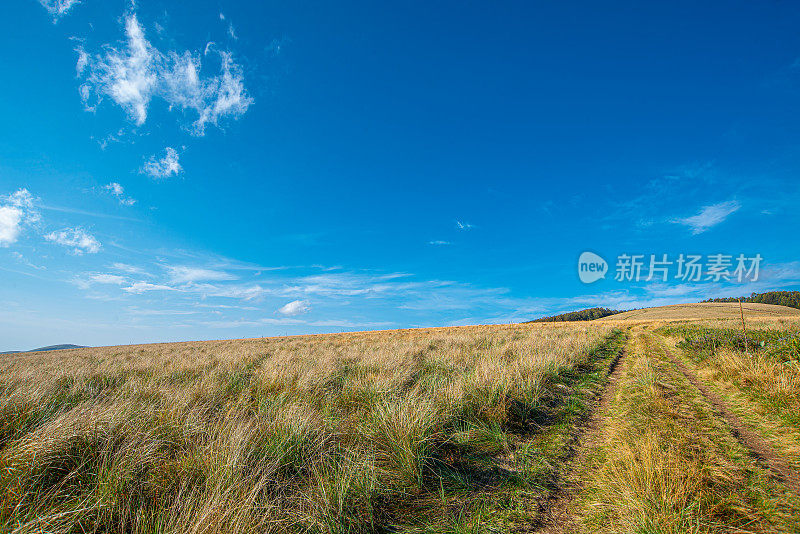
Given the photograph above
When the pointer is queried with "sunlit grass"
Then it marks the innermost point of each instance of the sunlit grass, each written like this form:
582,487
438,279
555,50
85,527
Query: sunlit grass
669,465
341,433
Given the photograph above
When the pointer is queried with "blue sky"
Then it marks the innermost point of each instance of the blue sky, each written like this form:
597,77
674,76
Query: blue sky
224,169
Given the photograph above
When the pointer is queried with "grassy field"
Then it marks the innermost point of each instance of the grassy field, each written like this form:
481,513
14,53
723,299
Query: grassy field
417,430
511,428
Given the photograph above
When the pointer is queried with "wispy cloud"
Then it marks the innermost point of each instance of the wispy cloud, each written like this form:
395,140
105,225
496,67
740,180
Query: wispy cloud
133,310
248,292
439,243
400,289
181,274
135,72
709,216
296,307
16,212
231,30
464,225
58,8
647,200
348,284
119,192
781,272
164,167
87,280
129,269
87,213
76,238
138,288
105,278
23,260
128,76
344,323
369,298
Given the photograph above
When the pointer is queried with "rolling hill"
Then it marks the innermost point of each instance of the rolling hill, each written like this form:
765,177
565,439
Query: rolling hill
47,348
704,310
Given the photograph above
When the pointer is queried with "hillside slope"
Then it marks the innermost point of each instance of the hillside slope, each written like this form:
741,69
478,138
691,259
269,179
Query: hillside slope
704,310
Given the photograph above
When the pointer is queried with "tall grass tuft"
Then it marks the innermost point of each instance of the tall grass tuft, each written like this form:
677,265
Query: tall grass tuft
332,434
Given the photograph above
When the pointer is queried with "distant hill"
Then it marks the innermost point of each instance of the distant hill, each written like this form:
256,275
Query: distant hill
790,299
49,347
706,310
589,314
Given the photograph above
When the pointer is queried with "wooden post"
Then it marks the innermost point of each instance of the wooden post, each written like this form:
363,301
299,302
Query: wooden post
744,328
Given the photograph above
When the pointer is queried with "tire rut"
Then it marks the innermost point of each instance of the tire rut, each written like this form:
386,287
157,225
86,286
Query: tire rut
559,517
759,448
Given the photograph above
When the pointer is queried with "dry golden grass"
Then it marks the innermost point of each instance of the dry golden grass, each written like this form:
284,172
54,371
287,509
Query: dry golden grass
770,379
704,311
338,433
434,430
760,385
668,465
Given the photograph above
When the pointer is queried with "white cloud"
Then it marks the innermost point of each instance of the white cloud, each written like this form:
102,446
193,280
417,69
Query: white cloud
117,190
464,225
236,291
130,269
709,216
181,274
58,8
296,307
88,280
136,72
164,167
128,76
140,287
10,225
439,243
213,98
105,278
21,199
77,238
83,60
16,211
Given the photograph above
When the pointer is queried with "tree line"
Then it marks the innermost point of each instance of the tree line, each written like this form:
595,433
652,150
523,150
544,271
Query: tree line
781,298
582,315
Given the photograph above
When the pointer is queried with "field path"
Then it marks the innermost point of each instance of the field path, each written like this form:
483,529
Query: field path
758,447
559,515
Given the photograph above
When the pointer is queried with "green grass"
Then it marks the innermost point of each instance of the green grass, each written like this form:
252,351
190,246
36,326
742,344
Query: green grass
765,369
704,341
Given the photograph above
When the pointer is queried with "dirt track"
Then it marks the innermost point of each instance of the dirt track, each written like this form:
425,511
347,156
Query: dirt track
757,446
559,516
560,512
